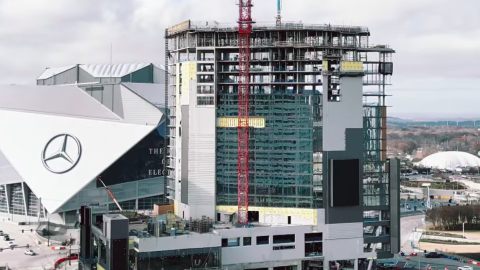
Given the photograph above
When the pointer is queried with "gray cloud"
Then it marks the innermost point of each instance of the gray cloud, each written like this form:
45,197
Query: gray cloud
437,41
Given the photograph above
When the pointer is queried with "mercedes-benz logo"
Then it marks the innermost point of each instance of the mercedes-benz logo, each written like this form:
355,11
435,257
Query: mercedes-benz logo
62,153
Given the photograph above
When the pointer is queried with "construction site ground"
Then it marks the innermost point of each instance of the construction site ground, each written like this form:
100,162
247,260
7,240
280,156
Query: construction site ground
451,248
17,260
454,248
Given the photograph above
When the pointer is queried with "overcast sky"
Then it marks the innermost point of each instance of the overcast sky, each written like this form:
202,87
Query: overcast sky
436,67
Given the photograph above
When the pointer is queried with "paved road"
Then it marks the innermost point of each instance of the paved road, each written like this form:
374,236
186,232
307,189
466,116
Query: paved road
434,263
407,227
16,258
408,224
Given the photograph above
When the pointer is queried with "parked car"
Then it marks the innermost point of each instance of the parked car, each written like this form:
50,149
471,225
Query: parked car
413,254
11,244
433,255
465,268
6,237
29,252
1,233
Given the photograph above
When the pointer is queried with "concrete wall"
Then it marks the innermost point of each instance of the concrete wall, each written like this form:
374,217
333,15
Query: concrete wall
394,177
343,115
343,249
117,228
182,210
261,253
201,157
184,139
178,242
342,139
278,216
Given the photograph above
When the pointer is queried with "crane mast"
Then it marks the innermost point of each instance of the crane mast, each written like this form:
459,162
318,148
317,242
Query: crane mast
278,19
244,30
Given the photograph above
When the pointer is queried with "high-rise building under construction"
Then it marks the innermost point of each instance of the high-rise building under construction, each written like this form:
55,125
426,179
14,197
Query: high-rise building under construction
317,137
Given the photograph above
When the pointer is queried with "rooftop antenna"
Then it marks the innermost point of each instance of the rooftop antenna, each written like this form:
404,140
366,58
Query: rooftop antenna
279,13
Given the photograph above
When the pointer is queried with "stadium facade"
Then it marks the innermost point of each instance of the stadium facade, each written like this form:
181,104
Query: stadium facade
56,140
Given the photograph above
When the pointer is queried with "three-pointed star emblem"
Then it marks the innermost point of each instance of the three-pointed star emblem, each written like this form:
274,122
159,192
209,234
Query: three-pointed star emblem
65,157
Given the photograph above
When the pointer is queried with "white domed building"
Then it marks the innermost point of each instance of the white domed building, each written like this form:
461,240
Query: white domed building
450,160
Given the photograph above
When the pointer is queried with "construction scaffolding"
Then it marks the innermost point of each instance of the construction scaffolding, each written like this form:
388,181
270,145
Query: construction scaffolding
285,155
203,225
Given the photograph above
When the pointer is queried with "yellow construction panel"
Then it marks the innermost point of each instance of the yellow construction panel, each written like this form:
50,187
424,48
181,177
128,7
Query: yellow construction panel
351,66
99,267
325,65
255,122
308,214
189,71
178,28
175,207
192,68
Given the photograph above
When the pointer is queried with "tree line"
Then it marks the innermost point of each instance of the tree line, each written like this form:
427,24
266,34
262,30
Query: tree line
452,217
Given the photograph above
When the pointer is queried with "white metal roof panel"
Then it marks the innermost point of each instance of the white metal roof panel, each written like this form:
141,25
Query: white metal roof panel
24,136
59,100
50,72
137,109
8,174
450,159
154,93
113,70
162,67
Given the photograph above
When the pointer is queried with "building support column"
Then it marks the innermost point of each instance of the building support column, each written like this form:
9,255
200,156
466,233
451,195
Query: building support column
355,264
26,201
326,264
136,204
8,194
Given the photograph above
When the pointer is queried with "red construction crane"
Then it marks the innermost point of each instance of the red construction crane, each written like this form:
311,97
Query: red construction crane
99,178
244,30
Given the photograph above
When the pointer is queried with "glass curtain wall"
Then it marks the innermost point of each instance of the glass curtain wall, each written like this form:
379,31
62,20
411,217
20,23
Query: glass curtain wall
281,155
18,205
3,200
375,185
34,206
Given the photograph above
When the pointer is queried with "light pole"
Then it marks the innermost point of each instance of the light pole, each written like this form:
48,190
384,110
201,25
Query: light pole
428,193
70,252
48,231
424,221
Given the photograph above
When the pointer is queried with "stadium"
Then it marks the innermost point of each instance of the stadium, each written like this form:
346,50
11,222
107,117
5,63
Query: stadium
68,139
450,160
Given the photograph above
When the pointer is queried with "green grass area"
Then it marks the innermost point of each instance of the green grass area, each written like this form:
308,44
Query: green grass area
444,234
447,242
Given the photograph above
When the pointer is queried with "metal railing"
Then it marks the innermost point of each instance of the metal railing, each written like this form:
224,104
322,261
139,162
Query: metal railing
216,26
